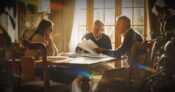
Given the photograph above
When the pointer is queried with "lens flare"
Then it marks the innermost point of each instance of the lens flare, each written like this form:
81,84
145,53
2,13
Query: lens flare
83,73
13,74
144,67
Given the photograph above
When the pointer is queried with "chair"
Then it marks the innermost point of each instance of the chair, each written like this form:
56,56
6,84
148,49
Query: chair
31,84
132,76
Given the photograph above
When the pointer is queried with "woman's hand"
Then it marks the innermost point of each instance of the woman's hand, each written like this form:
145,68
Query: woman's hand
98,50
48,38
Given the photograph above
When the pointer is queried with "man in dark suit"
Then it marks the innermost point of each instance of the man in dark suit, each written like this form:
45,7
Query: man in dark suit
123,27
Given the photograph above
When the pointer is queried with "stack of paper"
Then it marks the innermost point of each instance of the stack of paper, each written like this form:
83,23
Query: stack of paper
88,45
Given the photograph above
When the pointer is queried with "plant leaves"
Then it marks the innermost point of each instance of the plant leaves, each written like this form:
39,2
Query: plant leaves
11,19
13,22
7,37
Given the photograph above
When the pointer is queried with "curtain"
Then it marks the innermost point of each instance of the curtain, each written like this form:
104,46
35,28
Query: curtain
74,36
77,31
63,22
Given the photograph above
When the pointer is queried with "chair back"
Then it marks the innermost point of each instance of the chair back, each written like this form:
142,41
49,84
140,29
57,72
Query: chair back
140,60
42,47
27,65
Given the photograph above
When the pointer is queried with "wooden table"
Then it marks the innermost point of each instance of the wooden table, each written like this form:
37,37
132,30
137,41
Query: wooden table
81,61
74,60
77,59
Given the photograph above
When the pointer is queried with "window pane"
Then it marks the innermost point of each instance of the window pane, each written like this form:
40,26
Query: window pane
110,31
98,14
109,3
139,3
82,17
127,12
126,3
109,16
138,16
81,32
139,29
81,3
98,3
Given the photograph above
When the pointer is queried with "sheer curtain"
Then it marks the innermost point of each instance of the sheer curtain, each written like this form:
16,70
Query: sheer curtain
76,36
63,24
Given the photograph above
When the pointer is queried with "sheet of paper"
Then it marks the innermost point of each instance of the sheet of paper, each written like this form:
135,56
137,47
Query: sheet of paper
94,55
88,45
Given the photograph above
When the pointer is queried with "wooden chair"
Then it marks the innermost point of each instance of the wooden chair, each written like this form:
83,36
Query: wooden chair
27,66
33,85
133,74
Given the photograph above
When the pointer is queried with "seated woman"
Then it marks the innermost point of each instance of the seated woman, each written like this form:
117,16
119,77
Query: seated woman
43,34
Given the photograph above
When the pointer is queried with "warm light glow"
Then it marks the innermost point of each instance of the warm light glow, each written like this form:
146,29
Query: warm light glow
79,24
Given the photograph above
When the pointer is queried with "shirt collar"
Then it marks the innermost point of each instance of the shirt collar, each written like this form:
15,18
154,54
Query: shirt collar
126,32
98,38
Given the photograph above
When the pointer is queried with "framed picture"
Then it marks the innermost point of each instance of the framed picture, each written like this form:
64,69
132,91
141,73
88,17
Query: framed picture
43,5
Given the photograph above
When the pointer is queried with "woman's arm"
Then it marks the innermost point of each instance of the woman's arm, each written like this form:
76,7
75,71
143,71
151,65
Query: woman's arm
52,45
54,48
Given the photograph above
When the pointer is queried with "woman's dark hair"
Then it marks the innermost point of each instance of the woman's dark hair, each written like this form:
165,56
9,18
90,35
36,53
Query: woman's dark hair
43,25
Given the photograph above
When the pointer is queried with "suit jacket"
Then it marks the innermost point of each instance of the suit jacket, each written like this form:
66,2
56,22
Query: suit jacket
125,48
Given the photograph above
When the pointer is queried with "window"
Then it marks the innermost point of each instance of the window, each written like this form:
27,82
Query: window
135,10
87,11
104,10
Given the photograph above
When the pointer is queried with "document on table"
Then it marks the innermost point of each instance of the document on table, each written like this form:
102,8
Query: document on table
88,45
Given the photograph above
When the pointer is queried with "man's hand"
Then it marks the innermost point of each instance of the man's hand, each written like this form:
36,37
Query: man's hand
98,50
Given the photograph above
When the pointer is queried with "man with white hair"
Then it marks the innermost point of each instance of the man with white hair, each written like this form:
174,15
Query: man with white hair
97,36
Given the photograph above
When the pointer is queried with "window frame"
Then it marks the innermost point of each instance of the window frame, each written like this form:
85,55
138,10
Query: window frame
118,12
